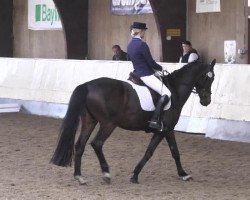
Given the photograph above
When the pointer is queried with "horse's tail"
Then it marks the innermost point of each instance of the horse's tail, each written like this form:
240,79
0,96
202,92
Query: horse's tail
65,147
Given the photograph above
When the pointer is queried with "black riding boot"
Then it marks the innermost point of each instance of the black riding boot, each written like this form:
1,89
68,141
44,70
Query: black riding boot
155,122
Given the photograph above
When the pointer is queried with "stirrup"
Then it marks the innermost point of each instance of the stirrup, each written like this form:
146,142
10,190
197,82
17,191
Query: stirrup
156,125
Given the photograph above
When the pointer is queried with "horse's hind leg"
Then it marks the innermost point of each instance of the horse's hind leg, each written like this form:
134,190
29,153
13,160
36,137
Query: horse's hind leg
97,144
88,124
176,155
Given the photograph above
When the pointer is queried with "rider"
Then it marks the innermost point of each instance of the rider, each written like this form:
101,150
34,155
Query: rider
144,67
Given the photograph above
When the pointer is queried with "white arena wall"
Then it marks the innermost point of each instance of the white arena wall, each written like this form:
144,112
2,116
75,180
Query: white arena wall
44,86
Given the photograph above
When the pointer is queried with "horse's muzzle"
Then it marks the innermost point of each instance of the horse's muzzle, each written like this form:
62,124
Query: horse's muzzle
205,102
205,98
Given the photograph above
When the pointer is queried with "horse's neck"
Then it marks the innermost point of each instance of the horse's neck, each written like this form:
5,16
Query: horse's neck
182,87
183,92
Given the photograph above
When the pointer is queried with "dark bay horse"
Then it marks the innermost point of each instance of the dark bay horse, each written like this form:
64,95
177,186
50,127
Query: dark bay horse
114,103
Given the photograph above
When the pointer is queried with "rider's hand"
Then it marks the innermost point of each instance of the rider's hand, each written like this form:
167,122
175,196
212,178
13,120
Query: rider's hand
160,73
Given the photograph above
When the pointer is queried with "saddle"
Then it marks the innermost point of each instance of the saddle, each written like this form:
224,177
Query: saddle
133,77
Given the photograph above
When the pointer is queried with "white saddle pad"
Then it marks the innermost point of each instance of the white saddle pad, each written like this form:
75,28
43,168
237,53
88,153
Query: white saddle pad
145,97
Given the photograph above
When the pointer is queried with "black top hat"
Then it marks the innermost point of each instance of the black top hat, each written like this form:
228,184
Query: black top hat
139,25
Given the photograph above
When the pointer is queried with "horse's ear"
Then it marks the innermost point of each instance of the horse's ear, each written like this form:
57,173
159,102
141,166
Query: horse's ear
212,64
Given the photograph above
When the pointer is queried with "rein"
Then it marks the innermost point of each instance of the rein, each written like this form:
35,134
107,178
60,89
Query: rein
164,73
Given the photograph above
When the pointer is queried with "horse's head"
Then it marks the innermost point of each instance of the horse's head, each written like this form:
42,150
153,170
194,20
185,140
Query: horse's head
204,84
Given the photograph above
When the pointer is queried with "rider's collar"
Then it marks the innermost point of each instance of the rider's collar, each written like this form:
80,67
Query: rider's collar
137,37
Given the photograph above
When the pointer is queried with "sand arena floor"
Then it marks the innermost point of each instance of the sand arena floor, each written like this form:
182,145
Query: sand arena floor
221,169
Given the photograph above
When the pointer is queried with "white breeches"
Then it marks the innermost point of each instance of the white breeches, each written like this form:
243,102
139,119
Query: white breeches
155,84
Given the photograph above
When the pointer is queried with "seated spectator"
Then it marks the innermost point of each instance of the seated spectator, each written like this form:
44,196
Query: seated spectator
189,54
119,54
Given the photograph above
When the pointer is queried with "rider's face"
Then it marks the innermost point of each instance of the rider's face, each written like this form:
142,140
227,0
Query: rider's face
142,33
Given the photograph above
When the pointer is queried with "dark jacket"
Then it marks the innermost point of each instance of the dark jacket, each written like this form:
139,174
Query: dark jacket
184,59
122,56
141,58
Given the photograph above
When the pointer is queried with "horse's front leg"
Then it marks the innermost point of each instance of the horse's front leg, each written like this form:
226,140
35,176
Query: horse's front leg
176,155
156,139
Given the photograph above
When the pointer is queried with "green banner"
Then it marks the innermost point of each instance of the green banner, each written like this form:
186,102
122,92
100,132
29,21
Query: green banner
43,15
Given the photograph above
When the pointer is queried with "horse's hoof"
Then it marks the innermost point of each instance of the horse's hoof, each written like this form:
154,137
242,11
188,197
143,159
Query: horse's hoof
81,180
106,177
134,180
187,178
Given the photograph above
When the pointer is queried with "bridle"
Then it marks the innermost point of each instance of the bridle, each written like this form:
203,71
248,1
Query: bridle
207,81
